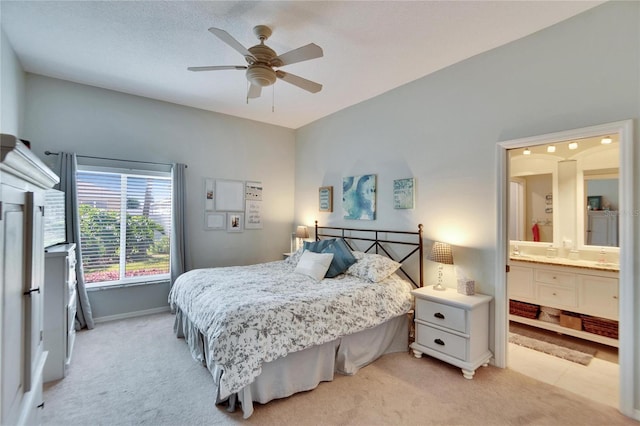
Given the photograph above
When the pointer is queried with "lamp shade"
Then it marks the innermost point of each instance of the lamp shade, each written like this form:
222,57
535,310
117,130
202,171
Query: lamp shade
302,232
441,253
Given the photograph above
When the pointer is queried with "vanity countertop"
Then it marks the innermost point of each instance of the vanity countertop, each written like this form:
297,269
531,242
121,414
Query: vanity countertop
560,261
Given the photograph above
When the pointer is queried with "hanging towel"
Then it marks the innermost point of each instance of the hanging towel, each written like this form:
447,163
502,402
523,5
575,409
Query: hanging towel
536,232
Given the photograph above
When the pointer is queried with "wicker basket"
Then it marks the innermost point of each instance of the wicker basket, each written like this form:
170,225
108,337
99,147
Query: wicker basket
522,309
601,326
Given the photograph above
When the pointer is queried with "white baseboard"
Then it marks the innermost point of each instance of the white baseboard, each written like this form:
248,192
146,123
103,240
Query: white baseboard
132,314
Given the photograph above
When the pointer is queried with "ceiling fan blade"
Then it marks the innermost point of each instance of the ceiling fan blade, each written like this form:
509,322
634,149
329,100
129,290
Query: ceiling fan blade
218,67
254,91
227,38
304,53
303,83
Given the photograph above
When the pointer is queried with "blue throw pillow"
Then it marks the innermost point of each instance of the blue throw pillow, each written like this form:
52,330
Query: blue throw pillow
317,246
342,257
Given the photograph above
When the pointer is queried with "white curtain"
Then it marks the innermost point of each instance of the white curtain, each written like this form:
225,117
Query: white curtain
180,256
67,167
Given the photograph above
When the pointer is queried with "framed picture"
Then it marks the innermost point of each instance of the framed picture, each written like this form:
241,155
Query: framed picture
359,197
214,220
229,195
253,191
594,202
403,193
325,198
253,214
208,193
235,222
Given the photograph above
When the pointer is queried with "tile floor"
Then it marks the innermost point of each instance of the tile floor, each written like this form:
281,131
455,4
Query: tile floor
598,381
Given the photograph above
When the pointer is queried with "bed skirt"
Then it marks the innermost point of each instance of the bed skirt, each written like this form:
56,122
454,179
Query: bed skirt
303,370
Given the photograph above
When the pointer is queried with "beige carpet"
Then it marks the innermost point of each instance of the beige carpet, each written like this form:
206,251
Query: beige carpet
135,372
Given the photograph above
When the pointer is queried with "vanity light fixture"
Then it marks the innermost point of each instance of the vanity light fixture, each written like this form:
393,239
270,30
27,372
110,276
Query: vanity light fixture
526,151
551,148
606,140
573,145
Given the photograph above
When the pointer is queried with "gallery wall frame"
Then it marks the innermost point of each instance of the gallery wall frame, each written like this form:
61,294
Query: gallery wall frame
209,185
325,199
235,222
215,220
229,195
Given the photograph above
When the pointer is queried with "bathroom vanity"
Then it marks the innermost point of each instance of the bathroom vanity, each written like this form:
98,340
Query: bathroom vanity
571,286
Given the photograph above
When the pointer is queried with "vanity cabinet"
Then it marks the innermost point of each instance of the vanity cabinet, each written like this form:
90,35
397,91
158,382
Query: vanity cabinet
580,290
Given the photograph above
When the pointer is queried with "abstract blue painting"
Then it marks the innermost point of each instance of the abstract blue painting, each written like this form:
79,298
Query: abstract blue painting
359,197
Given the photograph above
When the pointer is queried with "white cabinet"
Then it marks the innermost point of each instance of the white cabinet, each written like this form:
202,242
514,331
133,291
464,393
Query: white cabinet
602,228
452,327
580,290
23,180
59,309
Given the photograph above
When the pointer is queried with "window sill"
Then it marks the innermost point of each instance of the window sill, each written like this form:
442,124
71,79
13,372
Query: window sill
120,284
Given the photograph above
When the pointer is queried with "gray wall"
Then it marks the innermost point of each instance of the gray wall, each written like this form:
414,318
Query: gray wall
11,89
443,130
64,116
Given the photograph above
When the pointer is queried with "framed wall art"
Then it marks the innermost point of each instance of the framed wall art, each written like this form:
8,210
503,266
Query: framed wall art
404,193
325,198
235,222
213,220
229,195
208,193
253,214
359,197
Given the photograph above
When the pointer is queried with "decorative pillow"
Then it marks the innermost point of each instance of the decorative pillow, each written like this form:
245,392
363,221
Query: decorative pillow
342,257
313,264
317,246
372,267
294,257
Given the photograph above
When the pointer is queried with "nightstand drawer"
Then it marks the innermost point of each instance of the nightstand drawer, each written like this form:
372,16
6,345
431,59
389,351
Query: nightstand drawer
443,315
441,341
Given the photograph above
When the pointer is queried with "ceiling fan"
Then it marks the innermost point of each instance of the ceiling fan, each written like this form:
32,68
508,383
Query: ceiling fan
262,61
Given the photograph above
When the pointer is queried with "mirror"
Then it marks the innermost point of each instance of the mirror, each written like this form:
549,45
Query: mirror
565,193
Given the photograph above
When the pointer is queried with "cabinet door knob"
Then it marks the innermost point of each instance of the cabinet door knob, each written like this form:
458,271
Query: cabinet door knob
438,315
554,294
439,342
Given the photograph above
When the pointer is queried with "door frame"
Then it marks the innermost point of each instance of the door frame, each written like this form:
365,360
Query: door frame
628,329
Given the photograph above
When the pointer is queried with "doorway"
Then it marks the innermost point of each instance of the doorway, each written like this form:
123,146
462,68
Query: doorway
627,341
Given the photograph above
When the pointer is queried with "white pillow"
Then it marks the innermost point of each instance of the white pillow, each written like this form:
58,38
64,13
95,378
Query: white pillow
372,267
313,264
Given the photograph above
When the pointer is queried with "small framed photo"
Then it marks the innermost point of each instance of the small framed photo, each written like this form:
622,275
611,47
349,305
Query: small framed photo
214,220
594,202
325,198
235,222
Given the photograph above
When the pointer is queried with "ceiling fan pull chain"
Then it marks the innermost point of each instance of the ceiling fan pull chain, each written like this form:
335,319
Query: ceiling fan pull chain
248,85
273,98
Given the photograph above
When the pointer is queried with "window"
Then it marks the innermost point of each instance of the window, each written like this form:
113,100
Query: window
125,225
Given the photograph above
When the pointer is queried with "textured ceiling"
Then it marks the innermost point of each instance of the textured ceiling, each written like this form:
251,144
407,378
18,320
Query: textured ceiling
145,47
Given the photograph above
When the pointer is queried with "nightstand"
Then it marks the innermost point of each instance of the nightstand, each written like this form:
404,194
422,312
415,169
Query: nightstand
452,327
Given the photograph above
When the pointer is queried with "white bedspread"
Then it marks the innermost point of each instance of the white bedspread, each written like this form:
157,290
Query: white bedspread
258,313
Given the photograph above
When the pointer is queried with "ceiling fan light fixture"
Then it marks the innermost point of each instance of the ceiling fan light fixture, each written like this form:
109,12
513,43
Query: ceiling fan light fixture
261,75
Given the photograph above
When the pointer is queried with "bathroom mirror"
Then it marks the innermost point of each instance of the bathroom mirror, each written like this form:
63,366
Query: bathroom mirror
565,193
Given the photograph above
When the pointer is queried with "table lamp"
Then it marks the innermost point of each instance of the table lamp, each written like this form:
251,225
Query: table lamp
441,253
302,232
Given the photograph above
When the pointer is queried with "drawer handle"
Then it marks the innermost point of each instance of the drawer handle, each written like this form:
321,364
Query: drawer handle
438,342
41,405
438,315
28,293
554,294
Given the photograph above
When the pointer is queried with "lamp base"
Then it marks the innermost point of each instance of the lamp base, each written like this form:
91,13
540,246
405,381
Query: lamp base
439,287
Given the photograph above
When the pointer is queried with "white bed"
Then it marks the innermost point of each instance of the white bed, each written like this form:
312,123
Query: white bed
266,331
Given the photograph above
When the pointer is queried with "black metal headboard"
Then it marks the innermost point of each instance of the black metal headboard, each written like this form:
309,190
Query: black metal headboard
412,239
